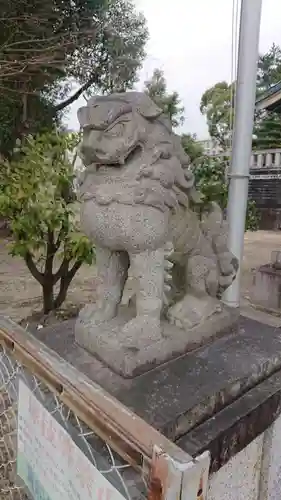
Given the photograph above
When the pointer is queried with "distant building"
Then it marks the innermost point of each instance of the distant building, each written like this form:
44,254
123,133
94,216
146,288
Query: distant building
270,100
265,178
210,147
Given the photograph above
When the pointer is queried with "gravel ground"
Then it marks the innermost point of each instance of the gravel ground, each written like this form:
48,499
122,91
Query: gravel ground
20,294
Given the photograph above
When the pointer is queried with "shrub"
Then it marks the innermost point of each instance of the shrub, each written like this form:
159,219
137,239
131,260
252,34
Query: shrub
36,196
211,181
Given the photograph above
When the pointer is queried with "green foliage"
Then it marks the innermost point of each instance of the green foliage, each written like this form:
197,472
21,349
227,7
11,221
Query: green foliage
156,88
192,148
253,216
113,60
217,105
267,131
269,69
37,40
211,181
41,119
36,196
45,46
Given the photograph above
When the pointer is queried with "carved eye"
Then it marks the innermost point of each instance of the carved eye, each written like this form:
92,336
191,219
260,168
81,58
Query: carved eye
117,130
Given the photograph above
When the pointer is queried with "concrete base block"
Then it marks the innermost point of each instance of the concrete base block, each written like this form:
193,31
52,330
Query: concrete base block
239,479
267,287
270,485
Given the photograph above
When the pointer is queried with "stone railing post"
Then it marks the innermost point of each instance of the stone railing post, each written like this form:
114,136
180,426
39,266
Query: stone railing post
268,160
277,162
260,161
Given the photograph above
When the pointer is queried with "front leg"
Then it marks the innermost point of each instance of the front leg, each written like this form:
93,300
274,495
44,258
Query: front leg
112,271
148,268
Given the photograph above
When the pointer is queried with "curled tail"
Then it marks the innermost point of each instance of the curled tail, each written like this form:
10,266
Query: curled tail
215,229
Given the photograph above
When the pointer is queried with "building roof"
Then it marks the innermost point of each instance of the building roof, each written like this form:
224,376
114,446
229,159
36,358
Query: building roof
271,99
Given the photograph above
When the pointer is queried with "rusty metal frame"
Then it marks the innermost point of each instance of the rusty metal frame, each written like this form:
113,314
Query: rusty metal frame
126,433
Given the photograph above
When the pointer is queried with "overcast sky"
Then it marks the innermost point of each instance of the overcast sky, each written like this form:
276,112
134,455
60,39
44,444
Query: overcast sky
191,42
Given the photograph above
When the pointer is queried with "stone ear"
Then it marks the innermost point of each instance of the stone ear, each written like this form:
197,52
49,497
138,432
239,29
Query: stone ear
148,109
83,116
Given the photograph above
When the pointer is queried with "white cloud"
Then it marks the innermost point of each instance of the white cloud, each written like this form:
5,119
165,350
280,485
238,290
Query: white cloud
191,42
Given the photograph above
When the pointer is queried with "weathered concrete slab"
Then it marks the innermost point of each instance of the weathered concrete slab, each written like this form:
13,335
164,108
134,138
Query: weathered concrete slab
183,393
235,426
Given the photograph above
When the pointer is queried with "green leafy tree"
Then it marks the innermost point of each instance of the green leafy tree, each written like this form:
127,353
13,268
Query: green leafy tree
269,69
217,105
36,196
156,88
37,40
111,64
46,46
267,131
192,147
211,181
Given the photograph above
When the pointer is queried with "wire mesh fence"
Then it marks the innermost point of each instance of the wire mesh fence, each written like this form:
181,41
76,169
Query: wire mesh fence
120,474
62,437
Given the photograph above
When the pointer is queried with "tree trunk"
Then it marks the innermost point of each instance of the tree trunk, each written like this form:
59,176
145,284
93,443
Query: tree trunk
65,282
48,277
24,108
48,297
64,285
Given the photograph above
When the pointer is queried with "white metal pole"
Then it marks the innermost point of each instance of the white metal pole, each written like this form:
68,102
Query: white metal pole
242,138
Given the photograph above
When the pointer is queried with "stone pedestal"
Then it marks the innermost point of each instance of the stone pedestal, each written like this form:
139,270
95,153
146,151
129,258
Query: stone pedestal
219,397
131,356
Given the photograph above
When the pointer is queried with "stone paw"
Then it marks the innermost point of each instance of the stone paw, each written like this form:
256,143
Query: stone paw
140,330
183,317
192,311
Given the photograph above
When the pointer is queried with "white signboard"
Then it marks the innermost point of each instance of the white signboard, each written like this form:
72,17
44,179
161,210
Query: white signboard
49,462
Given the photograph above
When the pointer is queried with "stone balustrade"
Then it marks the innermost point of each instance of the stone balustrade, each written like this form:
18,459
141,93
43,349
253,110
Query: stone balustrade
265,185
267,158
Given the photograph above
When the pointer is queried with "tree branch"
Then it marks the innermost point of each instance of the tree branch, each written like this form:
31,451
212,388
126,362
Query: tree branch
65,282
74,269
33,269
76,95
63,270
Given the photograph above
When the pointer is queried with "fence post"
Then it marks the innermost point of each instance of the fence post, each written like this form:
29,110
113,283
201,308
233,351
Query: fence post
174,480
165,477
195,479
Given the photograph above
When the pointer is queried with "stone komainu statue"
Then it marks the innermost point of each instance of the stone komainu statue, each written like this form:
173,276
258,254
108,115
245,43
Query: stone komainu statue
136,194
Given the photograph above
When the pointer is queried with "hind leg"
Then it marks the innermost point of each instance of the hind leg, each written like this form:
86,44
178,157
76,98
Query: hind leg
199,301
